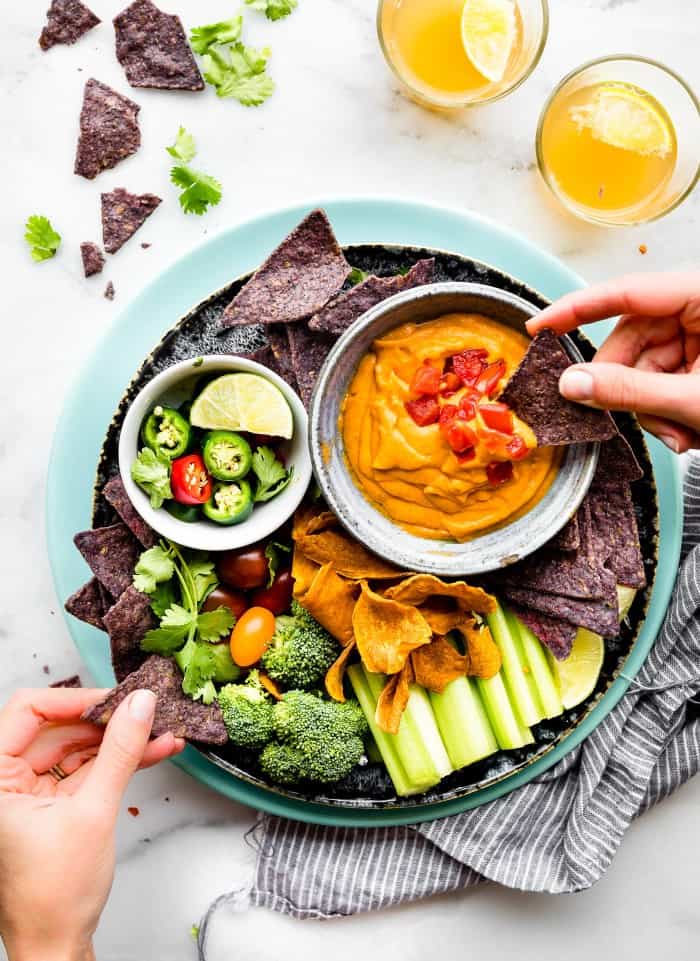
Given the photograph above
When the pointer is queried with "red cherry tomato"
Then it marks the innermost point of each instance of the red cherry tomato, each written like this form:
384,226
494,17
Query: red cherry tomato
278,596
460,436
497,417
245,568
468,364
489,378
517,449
426,380
236,602
424,411
251,636
499,472
189,480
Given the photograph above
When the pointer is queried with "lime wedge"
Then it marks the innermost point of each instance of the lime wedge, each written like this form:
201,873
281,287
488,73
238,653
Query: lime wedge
576,677
625,596
488,35
627,118
243,402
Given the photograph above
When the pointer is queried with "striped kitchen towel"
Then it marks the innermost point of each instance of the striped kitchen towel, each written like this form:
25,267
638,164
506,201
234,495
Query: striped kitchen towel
557,834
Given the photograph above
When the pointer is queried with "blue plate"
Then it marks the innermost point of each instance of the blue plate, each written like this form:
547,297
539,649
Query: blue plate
96,394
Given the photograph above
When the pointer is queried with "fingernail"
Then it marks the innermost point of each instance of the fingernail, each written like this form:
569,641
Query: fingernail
142,705
576,384
670,442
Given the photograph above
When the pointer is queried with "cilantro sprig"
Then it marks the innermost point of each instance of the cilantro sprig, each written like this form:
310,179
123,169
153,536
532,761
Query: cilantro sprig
199,191
152,474
271,473
42,238
273,9
230,66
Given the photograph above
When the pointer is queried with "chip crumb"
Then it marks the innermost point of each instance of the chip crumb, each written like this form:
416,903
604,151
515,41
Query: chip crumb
134,812
145,246
46,669
66,22
109,291
92,257
643,249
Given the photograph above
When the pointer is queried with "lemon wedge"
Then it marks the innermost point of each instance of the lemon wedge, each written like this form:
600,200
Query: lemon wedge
243,402
488,35
627,118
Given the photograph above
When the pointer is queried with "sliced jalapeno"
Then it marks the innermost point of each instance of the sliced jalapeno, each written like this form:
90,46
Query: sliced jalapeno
188,513
229,503
166,432
227,455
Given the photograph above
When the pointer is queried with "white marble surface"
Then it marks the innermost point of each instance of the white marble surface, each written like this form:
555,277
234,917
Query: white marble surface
336,126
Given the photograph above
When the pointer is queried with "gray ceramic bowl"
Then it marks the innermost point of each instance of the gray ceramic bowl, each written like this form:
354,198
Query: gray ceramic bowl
487,552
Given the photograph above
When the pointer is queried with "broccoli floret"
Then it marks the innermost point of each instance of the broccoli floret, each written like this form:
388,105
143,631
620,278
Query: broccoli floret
247,712
318,740
300,652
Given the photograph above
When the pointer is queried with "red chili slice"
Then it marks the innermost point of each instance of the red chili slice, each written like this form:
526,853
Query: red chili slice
449,384
460,436
189,480
517,449
488,379
498,417
469,364
424,411
426,380
499,472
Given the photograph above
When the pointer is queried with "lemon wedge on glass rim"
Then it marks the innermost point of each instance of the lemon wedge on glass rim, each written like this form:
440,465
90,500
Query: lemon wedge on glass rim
626,117
488,35
243,402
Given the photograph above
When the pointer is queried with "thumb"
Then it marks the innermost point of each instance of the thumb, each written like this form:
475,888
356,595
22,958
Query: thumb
121,751
675,397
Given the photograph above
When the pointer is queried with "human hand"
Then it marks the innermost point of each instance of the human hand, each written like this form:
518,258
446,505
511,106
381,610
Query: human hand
651,361
57,837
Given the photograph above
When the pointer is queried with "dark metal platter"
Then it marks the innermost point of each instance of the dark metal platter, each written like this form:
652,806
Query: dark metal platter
199,333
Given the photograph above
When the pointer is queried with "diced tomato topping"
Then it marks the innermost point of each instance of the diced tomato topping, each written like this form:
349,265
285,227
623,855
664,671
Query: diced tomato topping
449,384
469,364
447,413
498,417
488,379
460,436
467,405
424,411
499,472
466,455
426,380
517,449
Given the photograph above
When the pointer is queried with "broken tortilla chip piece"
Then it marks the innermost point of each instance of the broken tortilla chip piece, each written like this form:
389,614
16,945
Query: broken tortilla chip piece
438,663
419,587
482,651
393,700
387,631
336,672
331,600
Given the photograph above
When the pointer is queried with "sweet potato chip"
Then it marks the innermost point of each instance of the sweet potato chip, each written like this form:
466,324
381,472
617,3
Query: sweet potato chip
324,521
336,672
270,686
438,663
303,573
347,555
442,613
393,700
331,600
387,631
419,587
482,651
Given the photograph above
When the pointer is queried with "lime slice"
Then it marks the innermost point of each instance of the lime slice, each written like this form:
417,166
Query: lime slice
243,402
488,35
625,596
627,118
576,677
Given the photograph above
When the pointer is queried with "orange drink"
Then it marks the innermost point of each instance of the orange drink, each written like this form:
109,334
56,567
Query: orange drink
453,53
613,141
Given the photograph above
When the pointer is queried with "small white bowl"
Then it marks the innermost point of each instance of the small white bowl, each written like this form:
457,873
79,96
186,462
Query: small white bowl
172,387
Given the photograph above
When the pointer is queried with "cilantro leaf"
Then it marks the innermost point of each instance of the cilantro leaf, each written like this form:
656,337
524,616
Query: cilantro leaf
273,554
211,625
203,576
153,567
175,625
199,672
225,31
356,276
41,237
184,148
273,9
240,72
152,474
271,473
162,598
199,191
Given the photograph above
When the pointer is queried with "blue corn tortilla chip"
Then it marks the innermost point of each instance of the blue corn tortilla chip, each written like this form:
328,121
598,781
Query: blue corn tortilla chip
308,349
557,635
617,464
127,622
111,554
344,310
568,574
66,22
615,535
600,616
87,604
533,393
278,342
109,130
115,494
73,681
297,279
175,711
92,257
568,538
152,48
122,215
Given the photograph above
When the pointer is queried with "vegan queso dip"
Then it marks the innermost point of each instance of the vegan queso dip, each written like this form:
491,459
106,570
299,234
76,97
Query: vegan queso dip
426,438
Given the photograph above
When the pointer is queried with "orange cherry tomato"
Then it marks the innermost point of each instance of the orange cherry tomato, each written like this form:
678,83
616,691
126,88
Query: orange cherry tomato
251,635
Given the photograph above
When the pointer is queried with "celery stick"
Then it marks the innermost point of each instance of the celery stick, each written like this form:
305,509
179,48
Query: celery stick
385,742
509,732
519,684
535,655
463,723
